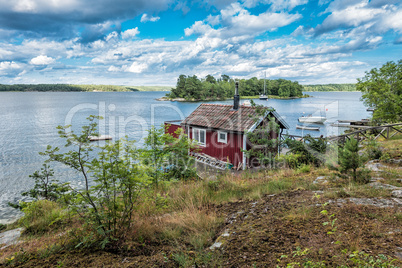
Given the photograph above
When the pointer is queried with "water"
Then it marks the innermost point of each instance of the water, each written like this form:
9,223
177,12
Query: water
28,122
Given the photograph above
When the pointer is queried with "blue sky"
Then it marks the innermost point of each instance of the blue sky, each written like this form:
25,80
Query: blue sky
140,42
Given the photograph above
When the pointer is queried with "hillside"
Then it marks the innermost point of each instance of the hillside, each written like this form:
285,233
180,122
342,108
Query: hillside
330,87
308,217
80,88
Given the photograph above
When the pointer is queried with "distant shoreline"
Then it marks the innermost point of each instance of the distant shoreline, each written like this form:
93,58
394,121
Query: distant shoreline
78,88
241,97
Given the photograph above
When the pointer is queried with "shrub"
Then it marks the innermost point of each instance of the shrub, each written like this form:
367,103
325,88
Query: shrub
40,215
349,158
373,150
310,150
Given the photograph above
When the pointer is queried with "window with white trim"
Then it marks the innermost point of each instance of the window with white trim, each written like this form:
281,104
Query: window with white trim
222,137
200,136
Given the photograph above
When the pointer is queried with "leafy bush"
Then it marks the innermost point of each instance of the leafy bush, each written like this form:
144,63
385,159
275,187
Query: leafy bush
166,157
304,168
373,150
291,160
112,181
310,151
40,215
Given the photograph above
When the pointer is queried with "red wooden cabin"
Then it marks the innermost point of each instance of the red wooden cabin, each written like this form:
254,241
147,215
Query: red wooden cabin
221,130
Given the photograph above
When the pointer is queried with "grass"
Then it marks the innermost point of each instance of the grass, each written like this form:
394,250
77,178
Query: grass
175,223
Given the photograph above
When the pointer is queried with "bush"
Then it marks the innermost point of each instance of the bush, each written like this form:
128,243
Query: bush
310,150
41,215
373,150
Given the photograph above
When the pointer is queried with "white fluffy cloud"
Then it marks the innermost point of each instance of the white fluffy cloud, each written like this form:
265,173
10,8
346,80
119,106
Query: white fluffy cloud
238,23
145,18
374,17
42,60
241,39
130,33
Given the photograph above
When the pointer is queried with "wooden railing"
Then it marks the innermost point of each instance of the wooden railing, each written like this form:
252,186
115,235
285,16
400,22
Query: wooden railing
385,131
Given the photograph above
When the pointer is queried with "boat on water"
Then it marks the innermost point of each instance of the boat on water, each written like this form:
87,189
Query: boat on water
308,128
264,96
100,138
246,103
312,119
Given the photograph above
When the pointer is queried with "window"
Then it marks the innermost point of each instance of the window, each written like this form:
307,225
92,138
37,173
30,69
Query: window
200,136
222,137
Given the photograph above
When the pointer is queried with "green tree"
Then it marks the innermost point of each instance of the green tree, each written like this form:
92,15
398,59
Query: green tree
112,181
46,186
284,88
262,141
210,79
382,89
349,158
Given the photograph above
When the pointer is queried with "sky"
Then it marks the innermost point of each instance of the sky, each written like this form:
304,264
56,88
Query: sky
152,42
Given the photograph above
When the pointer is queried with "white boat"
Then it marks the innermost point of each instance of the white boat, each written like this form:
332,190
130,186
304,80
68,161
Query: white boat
308,128
312,119
100,138
263,96
246,103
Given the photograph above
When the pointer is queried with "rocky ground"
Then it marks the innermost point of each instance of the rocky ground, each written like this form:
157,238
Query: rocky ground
326,227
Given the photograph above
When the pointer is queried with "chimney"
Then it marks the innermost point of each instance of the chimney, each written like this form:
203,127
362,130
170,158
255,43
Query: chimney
236,97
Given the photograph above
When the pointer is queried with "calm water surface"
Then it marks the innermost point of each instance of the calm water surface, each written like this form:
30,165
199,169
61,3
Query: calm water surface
29,120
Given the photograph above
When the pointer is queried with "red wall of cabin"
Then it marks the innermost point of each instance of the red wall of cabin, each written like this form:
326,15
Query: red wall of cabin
171,130
223,151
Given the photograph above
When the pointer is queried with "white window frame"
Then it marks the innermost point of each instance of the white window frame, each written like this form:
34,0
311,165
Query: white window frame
225,140
197,132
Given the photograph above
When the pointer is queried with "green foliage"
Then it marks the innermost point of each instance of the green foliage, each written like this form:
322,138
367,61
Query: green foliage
262,141
166,157
40,215
349,157
113,175
192,88
304,169
46,186
372,149
291,160
308,152
330,87
112,181
2,227
382,89
362,259
64,87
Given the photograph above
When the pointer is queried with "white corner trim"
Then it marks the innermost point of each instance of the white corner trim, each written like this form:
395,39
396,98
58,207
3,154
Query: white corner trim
244,148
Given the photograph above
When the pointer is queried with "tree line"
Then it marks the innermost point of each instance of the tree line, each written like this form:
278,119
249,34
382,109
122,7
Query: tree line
330,87
64,87
210,88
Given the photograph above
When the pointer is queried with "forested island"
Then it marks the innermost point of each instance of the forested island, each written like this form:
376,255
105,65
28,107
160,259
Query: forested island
79,88
209,88
330,87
